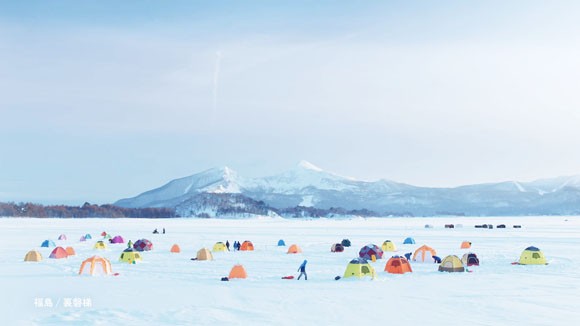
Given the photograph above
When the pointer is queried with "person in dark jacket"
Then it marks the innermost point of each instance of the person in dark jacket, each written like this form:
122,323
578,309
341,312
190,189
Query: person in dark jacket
436,260
302,270
408,256
228,245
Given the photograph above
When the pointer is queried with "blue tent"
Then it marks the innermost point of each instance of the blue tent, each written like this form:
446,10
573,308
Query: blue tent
48,243
409,241
88,236
281,243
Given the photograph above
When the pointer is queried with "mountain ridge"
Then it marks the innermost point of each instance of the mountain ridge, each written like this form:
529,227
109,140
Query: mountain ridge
307,185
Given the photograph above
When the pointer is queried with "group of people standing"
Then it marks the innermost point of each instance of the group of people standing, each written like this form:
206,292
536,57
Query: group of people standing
236,245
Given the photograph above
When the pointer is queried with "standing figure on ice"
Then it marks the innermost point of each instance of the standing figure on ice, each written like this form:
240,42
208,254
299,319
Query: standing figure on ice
302,270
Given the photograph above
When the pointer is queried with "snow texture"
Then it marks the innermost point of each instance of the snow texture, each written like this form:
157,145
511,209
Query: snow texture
170,289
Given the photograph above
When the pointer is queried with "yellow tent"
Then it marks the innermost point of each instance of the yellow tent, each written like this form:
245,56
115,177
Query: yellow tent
532,256
359,267
204,254
451,264
175,248
294,249
93,261
388,245
219,246
33,255
100,245
130,256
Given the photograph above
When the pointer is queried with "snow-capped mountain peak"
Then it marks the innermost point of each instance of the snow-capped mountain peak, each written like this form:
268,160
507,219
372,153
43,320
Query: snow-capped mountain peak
308,166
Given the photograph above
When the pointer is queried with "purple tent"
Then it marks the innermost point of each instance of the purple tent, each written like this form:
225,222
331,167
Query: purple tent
143,245
117,239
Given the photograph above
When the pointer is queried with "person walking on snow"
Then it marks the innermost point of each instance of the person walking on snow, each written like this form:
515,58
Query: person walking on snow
228,245
302,270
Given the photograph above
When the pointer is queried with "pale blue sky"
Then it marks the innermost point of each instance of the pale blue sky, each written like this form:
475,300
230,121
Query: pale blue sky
101,100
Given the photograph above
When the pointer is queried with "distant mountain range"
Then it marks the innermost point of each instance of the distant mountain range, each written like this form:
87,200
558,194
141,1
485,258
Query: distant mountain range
307,190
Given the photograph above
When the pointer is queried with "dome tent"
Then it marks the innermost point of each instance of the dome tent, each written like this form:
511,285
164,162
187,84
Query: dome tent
345,243
451,264
204,254
100,245
409,240
465,245
424,254
130,256
47,244
281,243
388,245
398,265
33,255
370,250
337,247
359,267
238,271
93,262
143,245
175,249
532,256
247,246
219,246
294,249
58,253
470,259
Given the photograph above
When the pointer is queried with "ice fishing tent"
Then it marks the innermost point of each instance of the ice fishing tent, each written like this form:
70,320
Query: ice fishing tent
470,259
428,226
398,265
451,264
92,263
465,245
100,245
175,249
83,238
58,253
281,243
337,247
345,243
33,255
424,254
204,254
143,245
219,246
62,237
48,243
117,239
130,256
359,267
294,249
103,233
409,240
388,245
247,246
107,237
238,271
70,251
370,250
532,256
88,236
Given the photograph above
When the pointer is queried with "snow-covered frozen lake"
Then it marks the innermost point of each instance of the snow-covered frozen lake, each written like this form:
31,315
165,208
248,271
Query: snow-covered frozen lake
171,289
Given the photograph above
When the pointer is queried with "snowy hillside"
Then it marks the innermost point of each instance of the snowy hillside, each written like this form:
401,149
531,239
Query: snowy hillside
309,186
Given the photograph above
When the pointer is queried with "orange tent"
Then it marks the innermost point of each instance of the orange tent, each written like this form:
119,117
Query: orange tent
58,253
398,265
465,245
238,271
247,245
70,251
175,248
424,253
93,261
294,249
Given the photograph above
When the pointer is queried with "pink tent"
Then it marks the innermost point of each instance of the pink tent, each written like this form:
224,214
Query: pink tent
117,239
